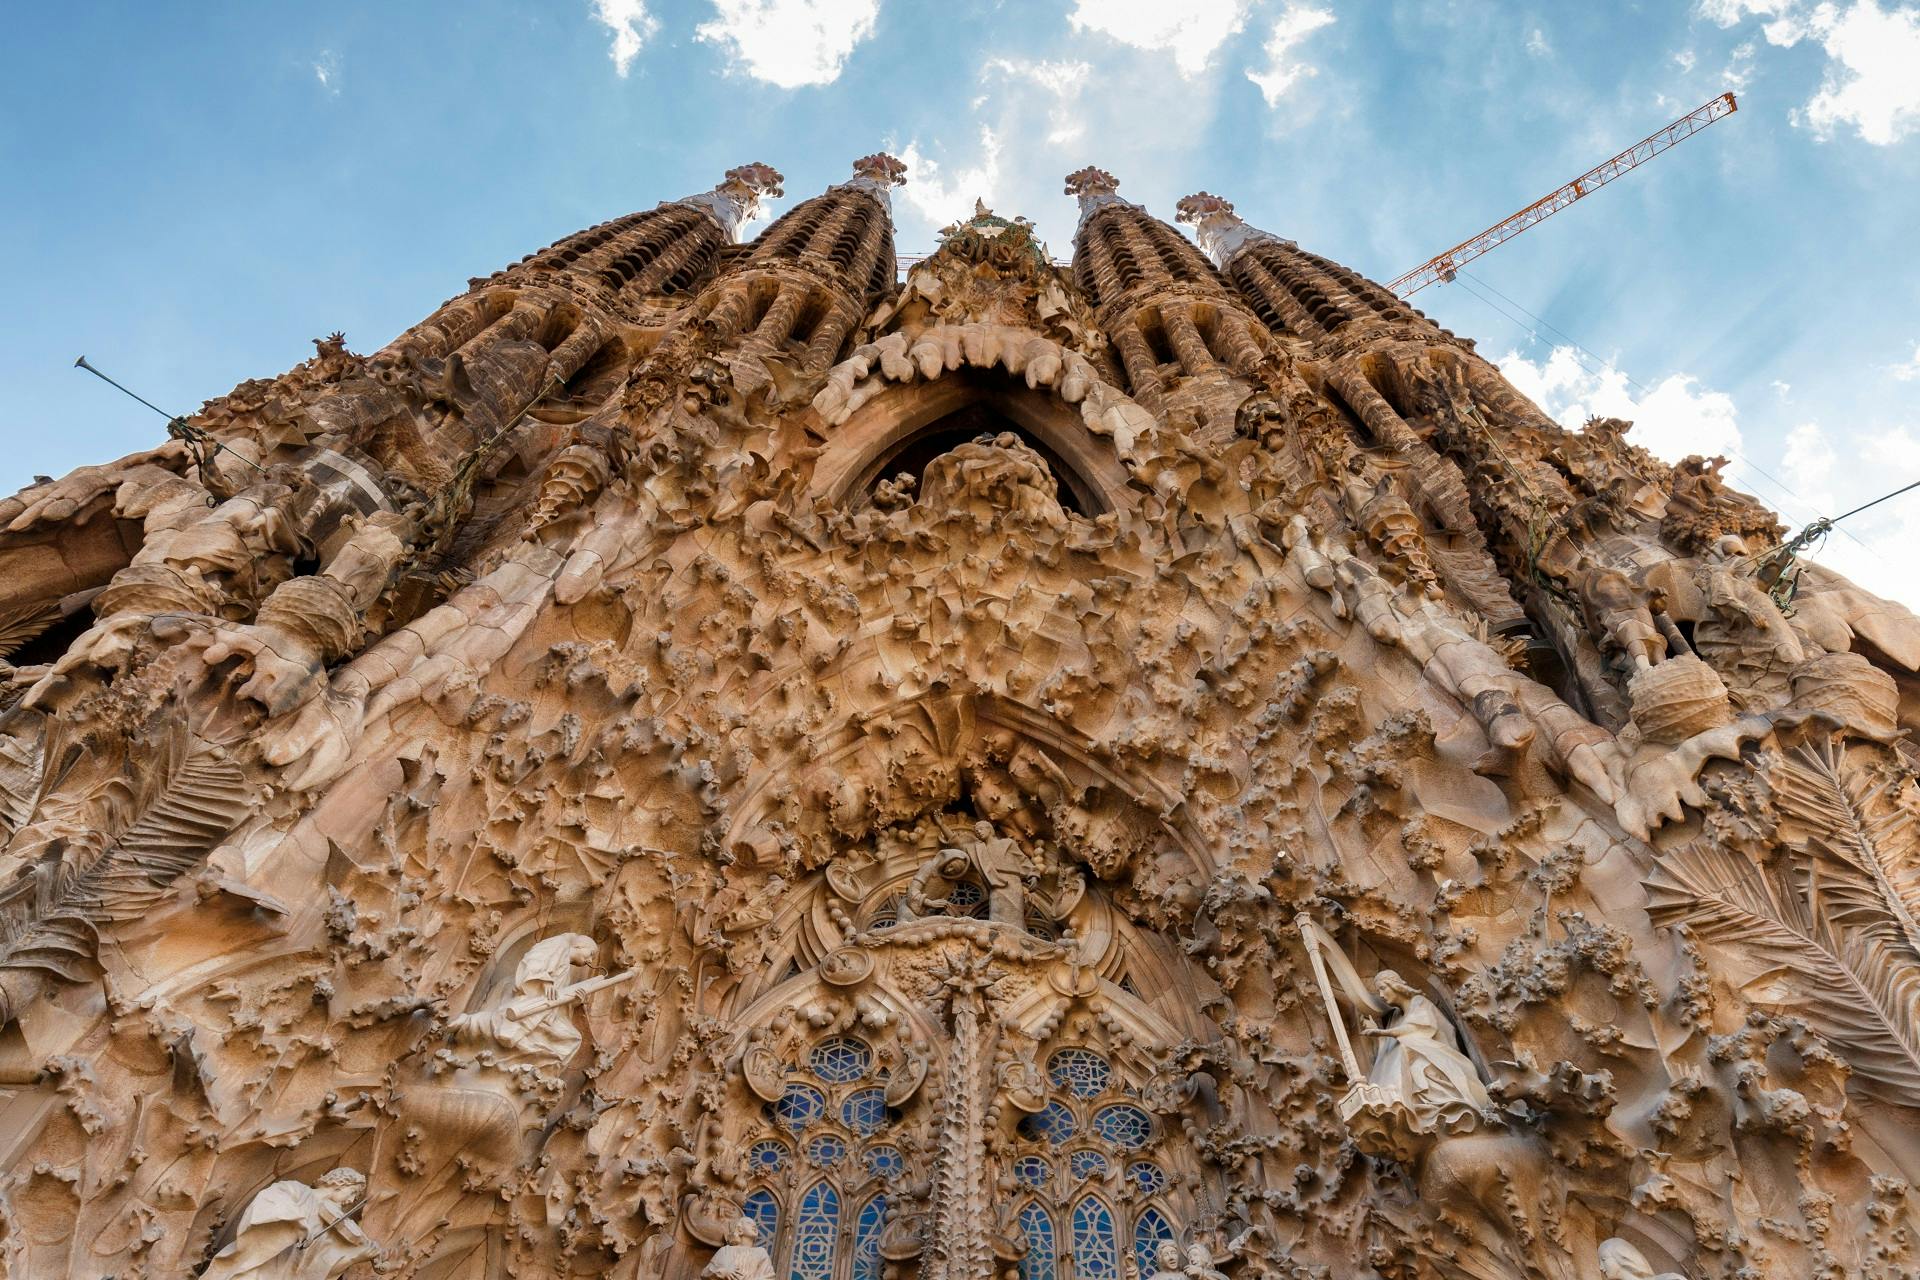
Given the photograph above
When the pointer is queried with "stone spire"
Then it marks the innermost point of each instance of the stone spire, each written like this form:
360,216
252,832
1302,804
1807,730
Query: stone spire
1096,189
736,200
1220,231
877,175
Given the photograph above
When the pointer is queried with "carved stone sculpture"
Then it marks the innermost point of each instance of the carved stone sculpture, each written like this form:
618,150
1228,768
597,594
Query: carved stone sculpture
292,1231
706,757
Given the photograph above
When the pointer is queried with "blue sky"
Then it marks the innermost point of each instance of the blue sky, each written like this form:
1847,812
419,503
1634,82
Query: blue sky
195,191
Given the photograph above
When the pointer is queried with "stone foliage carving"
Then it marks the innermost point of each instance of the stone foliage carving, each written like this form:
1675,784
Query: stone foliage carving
705,759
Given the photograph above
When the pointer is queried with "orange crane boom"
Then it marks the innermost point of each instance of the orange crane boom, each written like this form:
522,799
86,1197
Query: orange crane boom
1443,266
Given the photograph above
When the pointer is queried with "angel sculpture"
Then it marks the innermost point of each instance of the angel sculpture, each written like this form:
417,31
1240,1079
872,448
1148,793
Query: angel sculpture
1620,1260
1420,1082
292,1231
534,1027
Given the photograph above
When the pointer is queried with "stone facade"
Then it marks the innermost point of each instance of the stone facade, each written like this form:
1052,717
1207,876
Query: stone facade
700,759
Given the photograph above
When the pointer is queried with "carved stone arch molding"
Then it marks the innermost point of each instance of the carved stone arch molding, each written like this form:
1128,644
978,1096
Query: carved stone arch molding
880,399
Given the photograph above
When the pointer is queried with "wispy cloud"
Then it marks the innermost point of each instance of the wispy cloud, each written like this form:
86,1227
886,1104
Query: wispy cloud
1537,43
1910,370
1283,69
1190,30
326,69
632,27
790,43
1063,80
944,195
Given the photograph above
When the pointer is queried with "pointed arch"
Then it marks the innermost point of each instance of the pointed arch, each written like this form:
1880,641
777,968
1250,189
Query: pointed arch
764,1211
1041,1260
1096,1251
866,1238
816,1230
1149,1229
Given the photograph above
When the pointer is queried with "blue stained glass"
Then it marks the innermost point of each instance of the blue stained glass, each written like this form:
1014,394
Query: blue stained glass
1149,1229
866,1239
1053,1123
1124,1125
1095,1255
767,1156
967,899
1038,1263
799,1107
885,1162
826,1150
814,1233
765,1213
1033,1171
1081,1072
1148,1177
865,1112
1086,1164
841,1060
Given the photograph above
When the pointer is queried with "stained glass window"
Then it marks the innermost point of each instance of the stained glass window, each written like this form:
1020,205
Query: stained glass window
1086,1164
1095,1255
866,1239
1081,1072
1037,1229
1149,1229
815,1230
967,899
767,1156
864,1112
1053,1123
826,1150
886,917
799,1107
1033,1171
1148,1177
765,1213
885,1162
841,1060
1124,1125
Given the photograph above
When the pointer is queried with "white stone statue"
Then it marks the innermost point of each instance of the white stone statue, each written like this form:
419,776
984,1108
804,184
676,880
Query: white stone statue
1199,1264
741,1257
1166,1262
535,1025
291,1231
1621,1261
1419,1066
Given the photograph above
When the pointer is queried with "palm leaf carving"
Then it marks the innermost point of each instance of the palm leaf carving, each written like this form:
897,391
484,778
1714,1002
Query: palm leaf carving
50,917
22,766
17,626
1860,843
1853,986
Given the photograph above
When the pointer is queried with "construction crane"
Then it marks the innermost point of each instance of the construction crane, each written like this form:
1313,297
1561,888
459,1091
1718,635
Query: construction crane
1443,266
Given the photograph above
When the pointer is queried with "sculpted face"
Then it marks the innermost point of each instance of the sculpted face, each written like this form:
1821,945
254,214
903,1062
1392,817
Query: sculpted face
1167,1256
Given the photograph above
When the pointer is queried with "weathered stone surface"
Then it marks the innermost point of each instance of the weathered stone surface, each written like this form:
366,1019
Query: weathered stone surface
701,760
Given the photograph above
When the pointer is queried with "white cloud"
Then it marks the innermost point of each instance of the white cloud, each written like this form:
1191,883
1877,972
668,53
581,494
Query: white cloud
1189,29
1866,547
1673,419
1685,60
1873,73
1537,44
1872,80
945,197
1781,389
1063,80
1294,25
790,43
632,27
326,69
1910,370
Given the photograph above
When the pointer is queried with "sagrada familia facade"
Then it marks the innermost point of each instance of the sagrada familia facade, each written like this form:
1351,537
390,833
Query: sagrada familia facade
702,760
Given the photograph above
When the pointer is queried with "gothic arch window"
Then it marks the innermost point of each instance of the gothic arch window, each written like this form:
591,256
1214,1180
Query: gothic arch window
816,1231
1036,1228
1095,1253
822,1167
1089,1147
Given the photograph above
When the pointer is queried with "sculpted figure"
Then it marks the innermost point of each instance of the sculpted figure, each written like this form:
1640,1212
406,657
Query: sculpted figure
1621,615
1419,1063
1167,1262
291,1231
1200,1263
741,1257
535,1025
1621,1261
